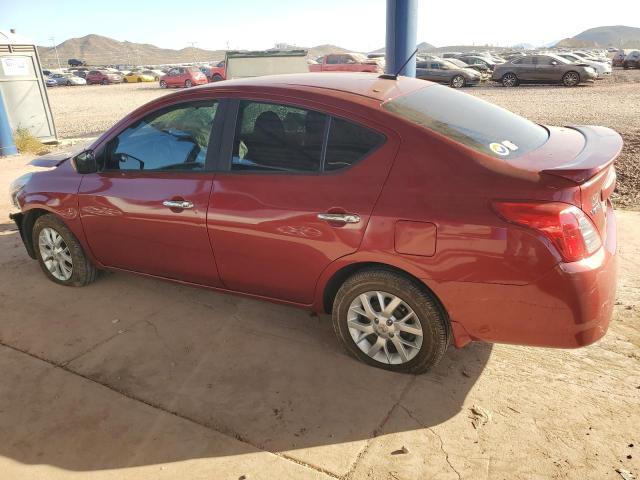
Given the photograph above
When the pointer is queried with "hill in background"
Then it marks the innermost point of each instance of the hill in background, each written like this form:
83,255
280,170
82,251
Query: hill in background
99,50
613,36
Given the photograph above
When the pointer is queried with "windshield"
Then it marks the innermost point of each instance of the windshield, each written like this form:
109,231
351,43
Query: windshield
470,121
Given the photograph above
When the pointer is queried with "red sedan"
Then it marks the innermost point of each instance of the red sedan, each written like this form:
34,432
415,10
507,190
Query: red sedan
415,214
183,77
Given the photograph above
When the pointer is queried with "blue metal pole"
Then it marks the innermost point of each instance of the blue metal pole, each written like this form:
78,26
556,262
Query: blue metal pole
402,20
7,145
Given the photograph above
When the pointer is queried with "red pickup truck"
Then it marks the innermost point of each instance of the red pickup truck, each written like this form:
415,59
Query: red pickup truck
216,73
345,62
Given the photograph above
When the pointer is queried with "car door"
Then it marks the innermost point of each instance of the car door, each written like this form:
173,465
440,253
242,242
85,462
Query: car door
173,77
333,63
548,69
296,193
145,210
525,68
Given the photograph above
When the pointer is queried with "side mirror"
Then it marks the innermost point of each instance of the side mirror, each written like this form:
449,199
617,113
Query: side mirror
85,162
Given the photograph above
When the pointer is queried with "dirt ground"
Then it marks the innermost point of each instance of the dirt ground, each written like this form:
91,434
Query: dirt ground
135,378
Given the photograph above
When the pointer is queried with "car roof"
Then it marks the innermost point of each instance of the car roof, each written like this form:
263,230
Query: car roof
368,85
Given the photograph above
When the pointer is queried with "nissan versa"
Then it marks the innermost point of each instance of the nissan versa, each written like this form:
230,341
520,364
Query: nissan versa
415,214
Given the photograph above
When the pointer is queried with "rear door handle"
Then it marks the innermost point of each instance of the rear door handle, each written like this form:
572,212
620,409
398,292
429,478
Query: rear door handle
339,217
182,204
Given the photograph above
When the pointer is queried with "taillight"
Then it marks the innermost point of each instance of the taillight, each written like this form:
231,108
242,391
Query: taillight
566,226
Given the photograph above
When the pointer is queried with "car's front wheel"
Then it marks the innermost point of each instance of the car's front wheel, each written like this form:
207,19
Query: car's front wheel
187,83
509,80
457,81
60,254
570,79
388,321
163,84
104,82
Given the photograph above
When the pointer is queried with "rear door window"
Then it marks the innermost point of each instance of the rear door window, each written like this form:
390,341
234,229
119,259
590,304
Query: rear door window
277,138
283,138
470,121
348,143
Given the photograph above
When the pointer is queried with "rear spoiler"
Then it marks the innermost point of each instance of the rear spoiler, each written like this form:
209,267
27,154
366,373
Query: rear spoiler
602,146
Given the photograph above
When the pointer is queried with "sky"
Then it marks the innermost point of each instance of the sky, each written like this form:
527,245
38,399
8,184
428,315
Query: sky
354,24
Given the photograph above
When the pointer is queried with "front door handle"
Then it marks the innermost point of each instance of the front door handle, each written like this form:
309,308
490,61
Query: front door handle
339,217
181,204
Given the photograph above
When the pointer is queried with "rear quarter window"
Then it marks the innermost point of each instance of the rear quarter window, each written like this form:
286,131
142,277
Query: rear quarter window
470,121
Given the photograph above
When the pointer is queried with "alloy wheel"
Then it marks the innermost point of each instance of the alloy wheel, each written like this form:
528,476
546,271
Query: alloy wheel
385,327
55,254
509,80
457,81
571,79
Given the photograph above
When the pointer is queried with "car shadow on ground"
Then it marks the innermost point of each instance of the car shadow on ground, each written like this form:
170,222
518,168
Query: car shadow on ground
133,371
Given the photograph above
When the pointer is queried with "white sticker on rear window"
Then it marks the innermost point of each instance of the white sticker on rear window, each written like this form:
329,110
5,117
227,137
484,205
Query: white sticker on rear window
510,145
499,149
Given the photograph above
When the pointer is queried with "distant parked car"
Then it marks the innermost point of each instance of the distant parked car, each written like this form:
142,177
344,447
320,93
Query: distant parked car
618,58
478,62
443,71
542,69
632,60
183,77
80,73
103,77
137,77
346,62
156,74
68,79
603,69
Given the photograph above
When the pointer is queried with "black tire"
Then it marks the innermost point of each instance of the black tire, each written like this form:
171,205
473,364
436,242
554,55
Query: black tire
83,271
510,80
139,79
571,79
458,82
187,84
104,82
163,84
68,83
435,327
216,78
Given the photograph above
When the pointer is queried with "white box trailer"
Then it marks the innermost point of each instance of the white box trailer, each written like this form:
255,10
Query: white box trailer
268,62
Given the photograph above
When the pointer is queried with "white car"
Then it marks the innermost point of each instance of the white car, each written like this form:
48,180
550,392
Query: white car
603,69
67,79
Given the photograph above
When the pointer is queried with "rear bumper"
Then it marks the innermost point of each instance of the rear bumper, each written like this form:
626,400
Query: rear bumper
569,307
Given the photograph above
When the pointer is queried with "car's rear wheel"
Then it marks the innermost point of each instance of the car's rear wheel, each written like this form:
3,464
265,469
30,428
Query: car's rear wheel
163,84
509,80
139,80
386,320
104,82
570,79
457,82
60,254
68,84
187,83
216,78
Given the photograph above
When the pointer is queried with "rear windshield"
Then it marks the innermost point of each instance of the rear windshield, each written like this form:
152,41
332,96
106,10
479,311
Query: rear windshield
466,119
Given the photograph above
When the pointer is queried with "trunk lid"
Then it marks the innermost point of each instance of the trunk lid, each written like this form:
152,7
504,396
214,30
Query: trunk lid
583,156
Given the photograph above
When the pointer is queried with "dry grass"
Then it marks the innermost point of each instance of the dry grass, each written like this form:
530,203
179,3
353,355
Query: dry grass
27,143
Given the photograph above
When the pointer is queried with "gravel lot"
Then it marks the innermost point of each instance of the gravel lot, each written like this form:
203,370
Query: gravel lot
614,102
